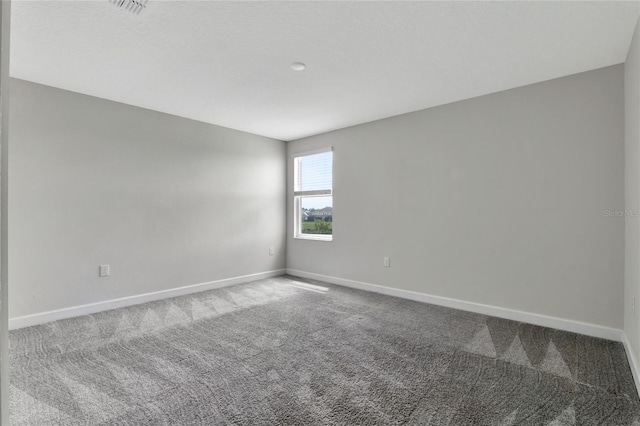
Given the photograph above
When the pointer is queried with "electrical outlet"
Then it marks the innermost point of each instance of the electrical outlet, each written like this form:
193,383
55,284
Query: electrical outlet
386,262
105,270
633,305
272,251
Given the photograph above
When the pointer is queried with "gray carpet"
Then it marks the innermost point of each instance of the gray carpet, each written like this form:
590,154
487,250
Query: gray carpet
285,351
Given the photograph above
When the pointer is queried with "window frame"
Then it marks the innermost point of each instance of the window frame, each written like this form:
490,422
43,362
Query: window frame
299,195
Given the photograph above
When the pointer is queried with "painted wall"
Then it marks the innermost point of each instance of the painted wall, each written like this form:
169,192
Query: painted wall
5,33
166,201
500,200
632,194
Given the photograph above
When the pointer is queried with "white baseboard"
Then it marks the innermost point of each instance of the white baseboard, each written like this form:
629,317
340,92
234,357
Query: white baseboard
531,318
633,362
585,328
92,308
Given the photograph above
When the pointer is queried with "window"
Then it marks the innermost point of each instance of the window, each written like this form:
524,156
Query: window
313,195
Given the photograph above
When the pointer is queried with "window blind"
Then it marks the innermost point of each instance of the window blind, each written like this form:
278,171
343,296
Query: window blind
314,174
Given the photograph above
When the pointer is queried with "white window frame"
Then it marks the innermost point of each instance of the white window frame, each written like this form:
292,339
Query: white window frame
299,195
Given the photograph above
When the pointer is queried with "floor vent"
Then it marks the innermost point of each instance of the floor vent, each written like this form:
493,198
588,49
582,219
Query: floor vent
133,6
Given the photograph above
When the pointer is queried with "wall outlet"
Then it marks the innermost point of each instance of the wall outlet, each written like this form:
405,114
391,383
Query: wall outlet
272,251
633,305
105,270
386,262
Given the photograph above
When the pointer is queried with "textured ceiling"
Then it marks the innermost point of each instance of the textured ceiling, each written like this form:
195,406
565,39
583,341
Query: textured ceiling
228,63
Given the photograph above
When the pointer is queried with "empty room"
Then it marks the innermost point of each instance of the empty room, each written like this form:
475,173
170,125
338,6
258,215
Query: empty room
169,173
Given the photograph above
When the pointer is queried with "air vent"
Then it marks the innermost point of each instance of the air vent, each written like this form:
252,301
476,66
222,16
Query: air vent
133,6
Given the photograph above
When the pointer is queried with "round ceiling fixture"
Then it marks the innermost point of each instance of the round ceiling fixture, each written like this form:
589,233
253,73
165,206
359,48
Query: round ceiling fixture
298,66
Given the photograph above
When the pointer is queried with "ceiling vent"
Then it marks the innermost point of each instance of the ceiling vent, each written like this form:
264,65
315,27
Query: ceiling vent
133,6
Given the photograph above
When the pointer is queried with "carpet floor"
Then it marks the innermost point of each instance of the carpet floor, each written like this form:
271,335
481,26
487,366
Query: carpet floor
287,351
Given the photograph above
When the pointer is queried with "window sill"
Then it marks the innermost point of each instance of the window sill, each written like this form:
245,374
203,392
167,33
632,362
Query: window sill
314,237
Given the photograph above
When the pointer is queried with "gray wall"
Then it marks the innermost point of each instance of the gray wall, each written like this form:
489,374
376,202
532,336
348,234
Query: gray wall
166,201
497,200
632,193
5,23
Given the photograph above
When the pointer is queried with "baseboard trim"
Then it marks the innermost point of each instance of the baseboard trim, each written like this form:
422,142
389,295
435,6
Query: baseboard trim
588,329
92,308
528,317
633,362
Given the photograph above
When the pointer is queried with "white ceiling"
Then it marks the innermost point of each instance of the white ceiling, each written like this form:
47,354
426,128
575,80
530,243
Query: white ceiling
228,63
